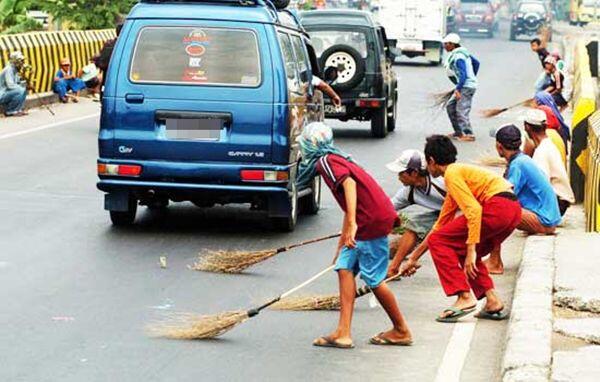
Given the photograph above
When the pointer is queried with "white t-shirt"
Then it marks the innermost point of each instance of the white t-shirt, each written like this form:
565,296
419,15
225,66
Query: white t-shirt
428,197
548,158
316,81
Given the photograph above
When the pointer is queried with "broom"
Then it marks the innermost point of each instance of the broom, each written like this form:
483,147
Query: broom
329,302
238,261
441,99
191,327
489,113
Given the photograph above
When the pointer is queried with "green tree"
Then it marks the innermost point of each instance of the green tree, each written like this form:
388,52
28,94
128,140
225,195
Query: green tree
87,14
13,16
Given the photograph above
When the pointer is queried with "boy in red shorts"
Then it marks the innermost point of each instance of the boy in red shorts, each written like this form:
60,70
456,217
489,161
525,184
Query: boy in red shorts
363,246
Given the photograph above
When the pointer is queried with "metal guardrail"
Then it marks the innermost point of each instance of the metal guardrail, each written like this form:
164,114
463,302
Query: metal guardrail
44,50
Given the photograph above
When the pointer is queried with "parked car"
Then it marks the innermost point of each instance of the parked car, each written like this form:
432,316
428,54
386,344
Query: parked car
415,28
529,18
203,103
353,43
476,17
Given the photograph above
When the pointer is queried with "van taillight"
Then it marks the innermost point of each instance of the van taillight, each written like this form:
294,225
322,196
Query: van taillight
264,176
119,169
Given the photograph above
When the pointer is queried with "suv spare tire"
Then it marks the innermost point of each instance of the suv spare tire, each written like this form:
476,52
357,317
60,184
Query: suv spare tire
349,63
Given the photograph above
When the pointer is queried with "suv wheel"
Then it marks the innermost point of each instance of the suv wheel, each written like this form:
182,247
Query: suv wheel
513,34
348,62
125,218
288,224
379,128
391,113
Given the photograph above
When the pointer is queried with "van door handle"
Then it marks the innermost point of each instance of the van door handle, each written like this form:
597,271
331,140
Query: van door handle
134,98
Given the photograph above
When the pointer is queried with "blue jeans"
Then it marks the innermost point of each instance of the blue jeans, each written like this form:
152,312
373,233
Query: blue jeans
459,110
13,100
61,87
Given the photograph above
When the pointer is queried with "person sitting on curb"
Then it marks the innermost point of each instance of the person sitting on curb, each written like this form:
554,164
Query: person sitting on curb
65,81
363,246
544,101
420,189
92,77
13,91
540,213
548,158
556,83
490,213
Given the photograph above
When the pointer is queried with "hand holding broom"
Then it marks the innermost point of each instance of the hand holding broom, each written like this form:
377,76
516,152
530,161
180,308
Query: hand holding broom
238,261
188,327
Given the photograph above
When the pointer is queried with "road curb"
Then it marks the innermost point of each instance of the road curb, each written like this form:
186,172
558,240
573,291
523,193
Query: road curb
40,99
528,353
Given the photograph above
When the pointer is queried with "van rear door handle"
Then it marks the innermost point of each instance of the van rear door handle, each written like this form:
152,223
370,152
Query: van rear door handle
134,98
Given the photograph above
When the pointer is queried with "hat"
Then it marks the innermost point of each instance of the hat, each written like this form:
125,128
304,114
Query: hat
452,38
16,56
408,160
534,117
509,136
550,60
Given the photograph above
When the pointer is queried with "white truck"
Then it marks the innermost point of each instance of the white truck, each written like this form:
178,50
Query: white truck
415,28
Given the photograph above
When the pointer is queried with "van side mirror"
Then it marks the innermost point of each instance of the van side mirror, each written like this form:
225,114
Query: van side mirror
330,74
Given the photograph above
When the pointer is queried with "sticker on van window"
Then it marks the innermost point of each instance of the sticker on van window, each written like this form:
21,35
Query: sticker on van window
196,42
194,75
195,62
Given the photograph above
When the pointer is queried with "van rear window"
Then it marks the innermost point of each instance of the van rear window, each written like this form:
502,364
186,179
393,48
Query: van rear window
196,56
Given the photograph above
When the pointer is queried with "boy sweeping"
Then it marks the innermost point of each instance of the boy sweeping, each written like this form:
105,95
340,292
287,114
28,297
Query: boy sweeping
363,246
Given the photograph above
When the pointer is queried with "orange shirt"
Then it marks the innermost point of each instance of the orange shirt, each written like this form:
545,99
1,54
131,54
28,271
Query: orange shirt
468,188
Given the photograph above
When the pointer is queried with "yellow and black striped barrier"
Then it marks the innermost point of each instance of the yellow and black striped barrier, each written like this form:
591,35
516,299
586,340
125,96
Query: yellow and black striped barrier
592,180
43,51
584,105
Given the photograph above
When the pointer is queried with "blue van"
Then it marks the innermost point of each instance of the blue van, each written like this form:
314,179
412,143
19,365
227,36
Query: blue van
203,102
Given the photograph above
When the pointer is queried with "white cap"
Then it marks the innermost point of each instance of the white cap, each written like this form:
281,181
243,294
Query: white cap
534,117
16,56
452,38
408,160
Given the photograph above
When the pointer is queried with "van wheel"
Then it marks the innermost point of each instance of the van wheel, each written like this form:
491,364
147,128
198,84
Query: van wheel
311,204
288,224
379,119
391,115
125,218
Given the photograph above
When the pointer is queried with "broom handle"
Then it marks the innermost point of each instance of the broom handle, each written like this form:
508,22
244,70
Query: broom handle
283,249
363,290
255,311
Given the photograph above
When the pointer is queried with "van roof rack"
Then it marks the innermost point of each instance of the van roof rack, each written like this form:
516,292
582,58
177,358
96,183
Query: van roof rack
231,2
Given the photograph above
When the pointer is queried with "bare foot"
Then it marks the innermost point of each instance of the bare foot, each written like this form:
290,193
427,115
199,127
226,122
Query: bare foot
494,268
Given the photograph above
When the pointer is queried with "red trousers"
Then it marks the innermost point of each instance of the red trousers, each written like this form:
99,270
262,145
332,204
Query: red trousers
448,248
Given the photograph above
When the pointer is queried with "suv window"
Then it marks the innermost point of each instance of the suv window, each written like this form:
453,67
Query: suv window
325,39
302,60
532,8
291,66
196,56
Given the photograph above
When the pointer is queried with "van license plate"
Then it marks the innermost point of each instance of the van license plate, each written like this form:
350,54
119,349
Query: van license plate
332,109
194,129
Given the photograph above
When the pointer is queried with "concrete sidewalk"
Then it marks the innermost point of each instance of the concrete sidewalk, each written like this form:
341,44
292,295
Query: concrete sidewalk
554,330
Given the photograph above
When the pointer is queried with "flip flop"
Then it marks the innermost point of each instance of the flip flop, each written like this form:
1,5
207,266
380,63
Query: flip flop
328,342
456,314
377,340
494,316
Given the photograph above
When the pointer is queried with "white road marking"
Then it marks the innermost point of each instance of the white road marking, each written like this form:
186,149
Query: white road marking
49,126
457,349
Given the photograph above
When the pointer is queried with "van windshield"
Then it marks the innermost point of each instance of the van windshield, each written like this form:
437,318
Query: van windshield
197,56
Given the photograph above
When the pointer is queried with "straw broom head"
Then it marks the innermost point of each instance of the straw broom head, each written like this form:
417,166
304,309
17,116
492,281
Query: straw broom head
230,261
491,161
441,99
489,113
186,326
330,302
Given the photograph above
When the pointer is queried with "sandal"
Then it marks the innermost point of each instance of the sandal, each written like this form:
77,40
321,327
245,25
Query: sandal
494,316
378,340
328,342
456,314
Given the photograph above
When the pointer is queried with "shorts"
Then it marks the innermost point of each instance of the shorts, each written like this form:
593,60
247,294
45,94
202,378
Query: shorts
369,257
92,83
421,221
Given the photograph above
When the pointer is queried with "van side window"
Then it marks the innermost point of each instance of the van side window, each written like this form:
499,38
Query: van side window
291,67
302,59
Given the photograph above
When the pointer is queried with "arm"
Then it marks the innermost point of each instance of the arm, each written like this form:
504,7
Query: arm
349,227
476,64
325,88
461,67
11,80
399,200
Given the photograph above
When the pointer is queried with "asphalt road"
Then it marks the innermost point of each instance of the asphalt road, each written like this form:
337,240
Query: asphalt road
76,293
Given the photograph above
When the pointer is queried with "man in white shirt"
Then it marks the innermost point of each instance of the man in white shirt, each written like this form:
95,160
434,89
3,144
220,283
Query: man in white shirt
418,189
548,158
325,88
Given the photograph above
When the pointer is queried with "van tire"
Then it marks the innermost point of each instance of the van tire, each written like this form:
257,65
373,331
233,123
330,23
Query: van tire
125,218
379,128
288,224
311,204
353,58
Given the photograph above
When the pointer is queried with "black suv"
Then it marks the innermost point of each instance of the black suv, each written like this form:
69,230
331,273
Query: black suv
357,47
528,18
